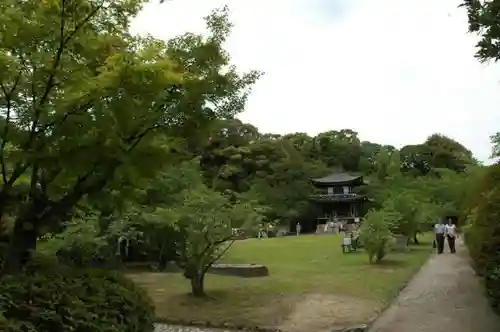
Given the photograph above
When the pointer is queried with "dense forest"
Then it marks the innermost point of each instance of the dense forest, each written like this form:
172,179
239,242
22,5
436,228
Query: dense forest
276,169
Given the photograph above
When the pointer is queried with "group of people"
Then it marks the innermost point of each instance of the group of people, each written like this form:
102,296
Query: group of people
445,231
332,227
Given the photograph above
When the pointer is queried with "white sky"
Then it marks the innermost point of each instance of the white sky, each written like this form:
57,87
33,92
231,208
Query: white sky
395,71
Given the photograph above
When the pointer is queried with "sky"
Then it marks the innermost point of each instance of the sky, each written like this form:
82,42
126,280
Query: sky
394,71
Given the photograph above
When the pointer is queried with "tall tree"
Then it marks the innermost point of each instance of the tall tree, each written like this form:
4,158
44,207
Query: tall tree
483,21
84,103
339,149
446,152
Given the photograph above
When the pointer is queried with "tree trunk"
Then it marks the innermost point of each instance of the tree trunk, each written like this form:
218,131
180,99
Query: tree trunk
198,284
22,244
415,239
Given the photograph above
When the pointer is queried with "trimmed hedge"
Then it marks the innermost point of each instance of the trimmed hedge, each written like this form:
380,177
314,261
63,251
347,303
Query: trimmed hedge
50,297
482,234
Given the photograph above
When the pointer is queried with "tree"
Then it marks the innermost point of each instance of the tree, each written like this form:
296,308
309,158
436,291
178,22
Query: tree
206,220
495,140
415,159
446,152
340,149
141,223
84,104
483,22
286,188
375,233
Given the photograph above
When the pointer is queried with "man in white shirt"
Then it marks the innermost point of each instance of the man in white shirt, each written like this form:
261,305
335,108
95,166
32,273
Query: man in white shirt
451,235
439,230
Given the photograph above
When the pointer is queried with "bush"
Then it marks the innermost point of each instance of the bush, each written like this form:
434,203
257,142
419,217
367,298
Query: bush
492,283
486,182
87,254
50,297
482,234
81,245
375,234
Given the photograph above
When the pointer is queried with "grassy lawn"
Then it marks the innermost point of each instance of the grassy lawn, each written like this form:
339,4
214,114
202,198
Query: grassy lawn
311,285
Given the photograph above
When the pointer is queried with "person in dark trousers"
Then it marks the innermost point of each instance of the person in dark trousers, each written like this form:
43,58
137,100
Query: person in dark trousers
439,230
451,235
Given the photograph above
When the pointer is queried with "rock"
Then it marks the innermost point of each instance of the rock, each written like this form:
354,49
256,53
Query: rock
240,270
358,328
355,328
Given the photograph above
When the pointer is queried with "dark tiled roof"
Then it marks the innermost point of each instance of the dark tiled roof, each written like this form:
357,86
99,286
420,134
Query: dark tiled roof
338,198
337,178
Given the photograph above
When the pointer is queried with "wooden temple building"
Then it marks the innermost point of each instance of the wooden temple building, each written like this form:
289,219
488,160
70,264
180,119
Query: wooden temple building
339,199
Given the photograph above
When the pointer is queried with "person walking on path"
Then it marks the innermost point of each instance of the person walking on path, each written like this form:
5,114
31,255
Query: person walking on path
439,230
451,235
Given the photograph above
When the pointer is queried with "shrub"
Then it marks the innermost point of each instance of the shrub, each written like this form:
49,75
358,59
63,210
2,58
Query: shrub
49,296
375,234
489,180
482,234
492,283
81,245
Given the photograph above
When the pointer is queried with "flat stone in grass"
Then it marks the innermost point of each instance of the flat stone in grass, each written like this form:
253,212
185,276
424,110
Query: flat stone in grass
240,270
401,243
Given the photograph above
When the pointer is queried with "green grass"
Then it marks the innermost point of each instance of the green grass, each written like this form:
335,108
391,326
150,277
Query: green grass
299,267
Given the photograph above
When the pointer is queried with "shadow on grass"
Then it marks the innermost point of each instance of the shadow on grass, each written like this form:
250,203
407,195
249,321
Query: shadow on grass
354,252
212,296
392,263
424,243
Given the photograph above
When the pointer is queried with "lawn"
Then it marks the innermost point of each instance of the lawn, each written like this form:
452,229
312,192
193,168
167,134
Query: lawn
312,285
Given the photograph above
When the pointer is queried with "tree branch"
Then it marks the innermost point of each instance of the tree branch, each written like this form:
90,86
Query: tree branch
63,42
8,99
46,179
20,167
33,180
219,256
60,121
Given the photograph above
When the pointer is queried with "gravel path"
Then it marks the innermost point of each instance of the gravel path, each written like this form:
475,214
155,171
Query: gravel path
444,296
174,328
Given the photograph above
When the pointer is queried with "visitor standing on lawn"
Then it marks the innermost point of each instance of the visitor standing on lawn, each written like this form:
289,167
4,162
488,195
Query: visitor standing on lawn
439,230
451,235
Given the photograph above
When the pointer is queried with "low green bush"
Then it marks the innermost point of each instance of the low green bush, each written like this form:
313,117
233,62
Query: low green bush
51,297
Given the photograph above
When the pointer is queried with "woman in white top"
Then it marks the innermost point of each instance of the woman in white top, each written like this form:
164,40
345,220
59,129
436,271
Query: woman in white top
451,235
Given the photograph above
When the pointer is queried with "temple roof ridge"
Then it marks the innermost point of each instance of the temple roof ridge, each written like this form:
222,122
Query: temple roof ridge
339,177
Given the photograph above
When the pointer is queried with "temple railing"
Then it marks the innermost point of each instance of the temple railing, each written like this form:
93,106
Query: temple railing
337,197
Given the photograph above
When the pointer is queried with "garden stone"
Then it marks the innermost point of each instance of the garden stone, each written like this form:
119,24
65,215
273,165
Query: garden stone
358,328
355,328
240,270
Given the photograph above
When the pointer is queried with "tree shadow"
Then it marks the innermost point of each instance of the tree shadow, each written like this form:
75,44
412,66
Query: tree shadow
391,263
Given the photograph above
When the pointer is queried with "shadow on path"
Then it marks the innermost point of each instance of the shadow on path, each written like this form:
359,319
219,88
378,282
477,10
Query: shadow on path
444,296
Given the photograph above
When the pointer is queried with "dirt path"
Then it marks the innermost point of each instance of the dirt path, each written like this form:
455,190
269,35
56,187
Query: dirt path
444,296
321,312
